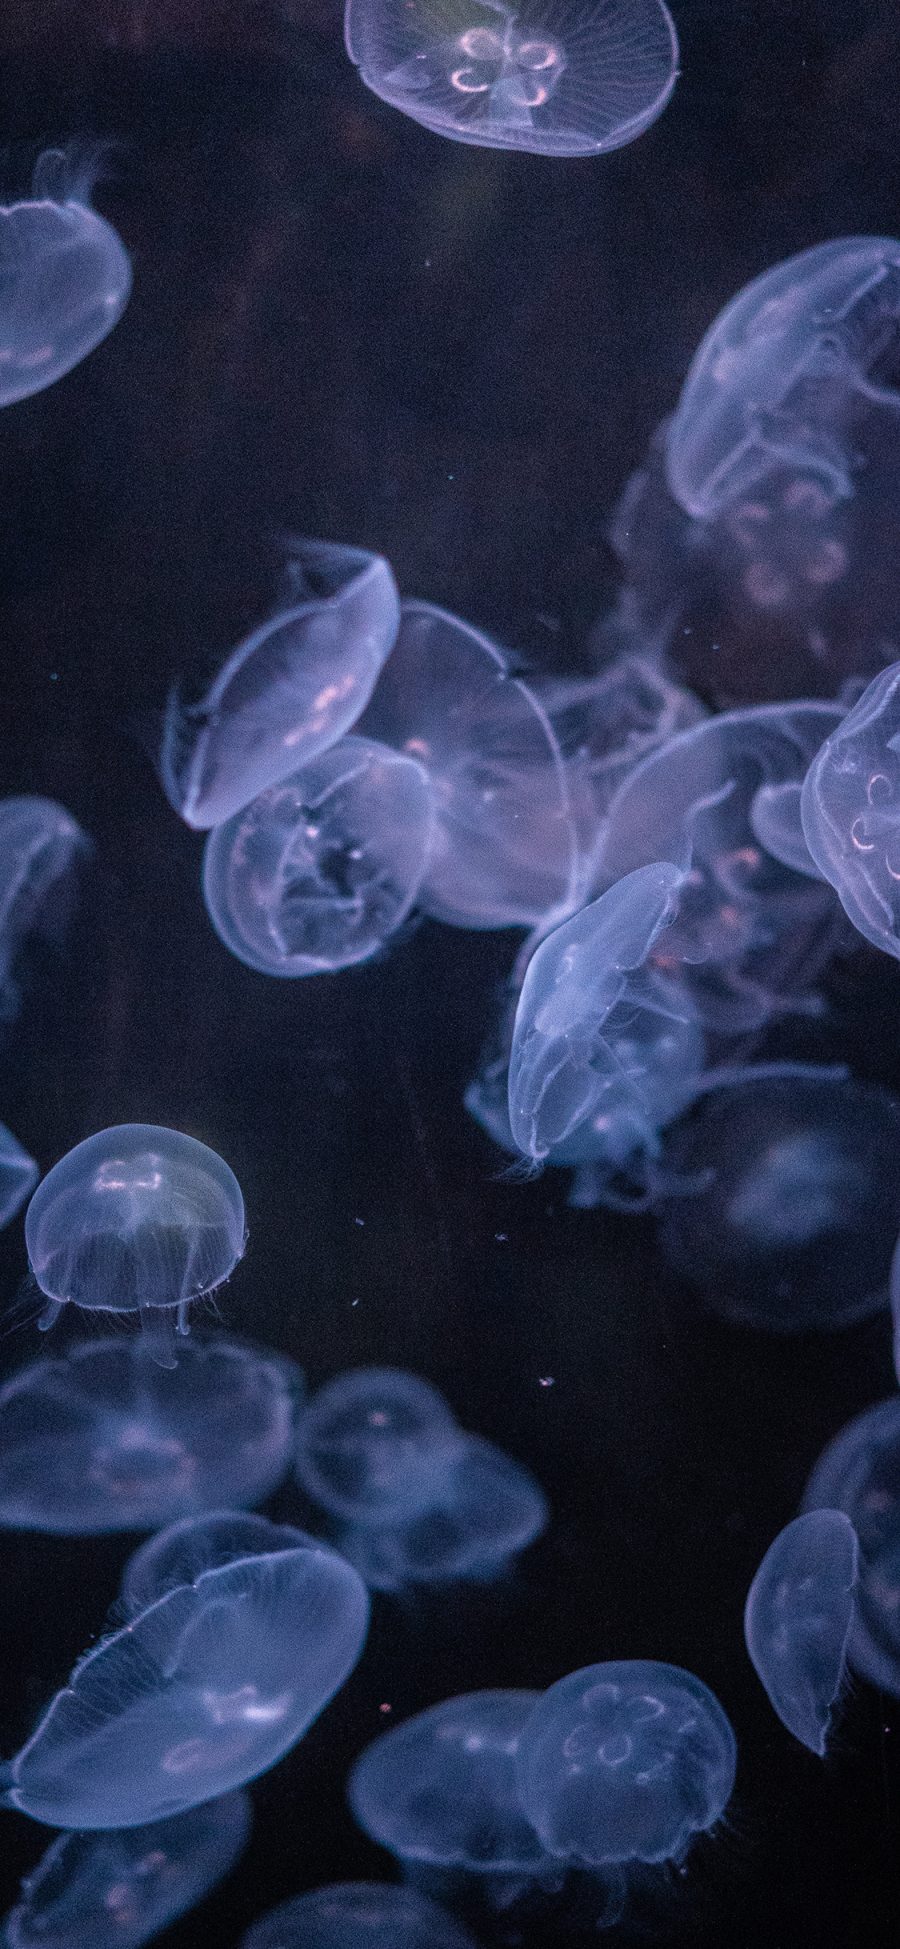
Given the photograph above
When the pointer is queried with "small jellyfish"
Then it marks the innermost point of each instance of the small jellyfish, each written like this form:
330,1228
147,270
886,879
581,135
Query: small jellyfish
319,871
65,277
795,1208
18,1175
137,1218
626,1761
478,1510
40,849
859,1473
105,1438
850,808
115,1891
798,1618
565,82
503,849
203,1690
287,691
369,1442
358,1915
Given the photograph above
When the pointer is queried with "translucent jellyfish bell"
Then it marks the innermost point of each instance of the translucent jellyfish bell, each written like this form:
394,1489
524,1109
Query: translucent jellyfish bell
503,848
625,1761
850,807
115,1891
479,1508
368,1441
65,278
106,1438
180,1553
798,1617
770,385
859,1473
288,690
205,1689
319,871
135,1219
558,81
358,1915
18,1175
40,847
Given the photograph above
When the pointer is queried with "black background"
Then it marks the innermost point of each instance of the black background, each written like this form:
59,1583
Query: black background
342,325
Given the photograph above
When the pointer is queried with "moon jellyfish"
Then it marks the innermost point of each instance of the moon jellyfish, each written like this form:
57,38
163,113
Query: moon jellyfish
503,850
851,811
368,1442
478,1509
135,1219
319,871
288,690
115,1891
626,1761
40,848
205,1689
105,1438
859,1473
797,1621
358,1915
796,1207
65,278
18,1175
572,84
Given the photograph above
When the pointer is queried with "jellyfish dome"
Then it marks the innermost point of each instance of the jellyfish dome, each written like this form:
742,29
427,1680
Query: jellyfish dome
479,1508
135,1219
180,1553
40,847
65,278
850,808
859,1474
106,1438
441,1789
559,81
368,1443
358,1915
18,1175
287,691
206,1688
115,1891
798,1618
319,871
626,1761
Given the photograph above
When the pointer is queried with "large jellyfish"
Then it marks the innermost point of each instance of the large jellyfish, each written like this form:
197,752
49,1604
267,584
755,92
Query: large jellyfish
358,1915
798,1618
65,276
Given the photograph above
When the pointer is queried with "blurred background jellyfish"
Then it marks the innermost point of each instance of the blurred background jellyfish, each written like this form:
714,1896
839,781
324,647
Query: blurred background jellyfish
479,1509
204,1689
137,1218
105,1438
503,850
369,1441
564,81
358,1915
795,1206
115,1891
850,808
65,276
287,691
41,848
625,1762
798,1618
318,872
859,1473
18,1175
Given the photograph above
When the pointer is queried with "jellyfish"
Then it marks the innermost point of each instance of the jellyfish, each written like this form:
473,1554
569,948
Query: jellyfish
558,82
478,1510
369,1442
503,850
18,1175
798,1618
41,848
105,1438
181,1552
851,821
117,1890
625,1762
796,1202
358,1915
319,871
65,276
288,691
859,1474
203,1690
135,1219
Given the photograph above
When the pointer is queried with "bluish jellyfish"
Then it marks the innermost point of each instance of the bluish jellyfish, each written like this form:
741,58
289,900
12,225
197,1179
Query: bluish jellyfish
206,1688
319,871
778,826
504,847
796,1203
106,1438
369,1442
40,849
288,690
65,276
358,1915
850,808
859,1473
478,1510
117,1890
180,1553
137,1218
558,81
18,1175
623,1762
798,1618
